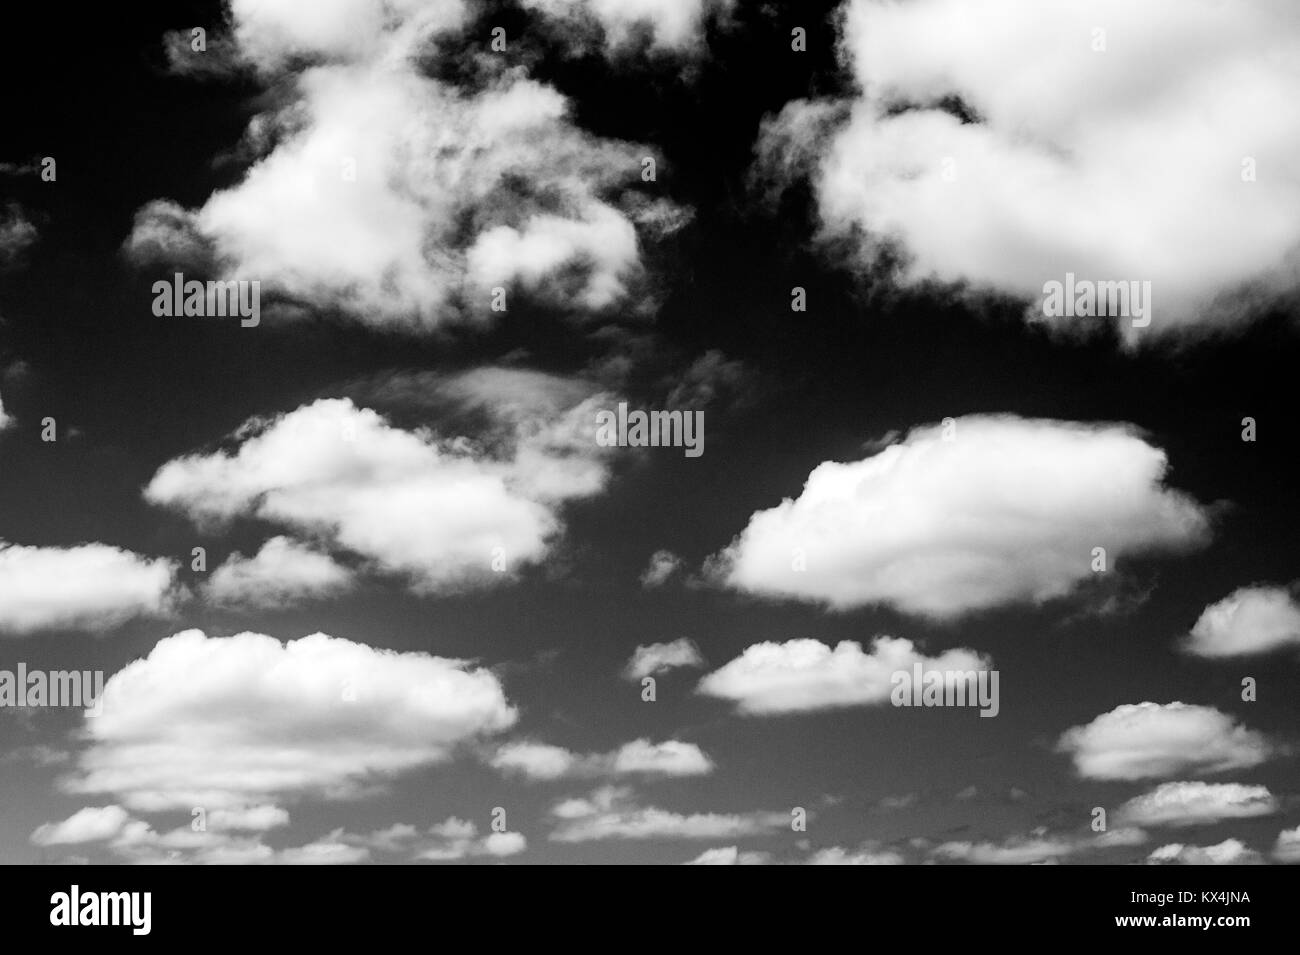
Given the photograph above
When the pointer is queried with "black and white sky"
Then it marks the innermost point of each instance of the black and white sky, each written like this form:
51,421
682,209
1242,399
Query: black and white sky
429,594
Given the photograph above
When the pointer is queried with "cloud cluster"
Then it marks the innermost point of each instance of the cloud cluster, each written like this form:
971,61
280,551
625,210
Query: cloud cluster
641,757
235,837
447,841
1037,847
380,191
612,813
866,854
445,512
1006,143
1227,852
974,513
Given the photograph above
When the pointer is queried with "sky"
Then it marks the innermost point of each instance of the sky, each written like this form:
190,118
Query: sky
372,572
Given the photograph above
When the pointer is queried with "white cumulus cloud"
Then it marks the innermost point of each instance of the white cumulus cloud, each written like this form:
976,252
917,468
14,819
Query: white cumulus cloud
92,824
805,675
640,757
1227,852
398,198
1150,740
445,513
612,813
652,659
233,722
283,571
984,511
1197,803
1287,847
1119,141
84,587
1249,621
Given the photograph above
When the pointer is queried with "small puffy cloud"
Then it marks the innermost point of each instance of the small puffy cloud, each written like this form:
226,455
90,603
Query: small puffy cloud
5,419
92,824
84,587
444,512
663,564
536,760
641,757
232,722
330,850
947,154
1197,803
835,855
1150,740
612,813
1287,847
1227,852
729,855
1249,621
282,572
978,512
502,844
163,233
248,818
656,658
533,253
669,758
459,839
805,675
17,233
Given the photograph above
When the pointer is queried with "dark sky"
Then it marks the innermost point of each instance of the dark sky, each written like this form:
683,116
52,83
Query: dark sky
873,354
